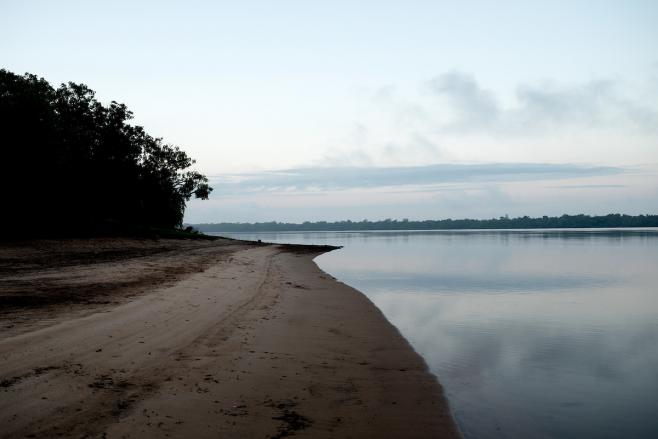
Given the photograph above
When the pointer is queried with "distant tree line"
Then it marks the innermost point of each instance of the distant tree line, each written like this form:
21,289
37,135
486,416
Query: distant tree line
70,163
525,222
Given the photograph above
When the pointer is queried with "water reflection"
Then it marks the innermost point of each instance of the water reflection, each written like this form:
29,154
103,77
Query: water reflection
515,369
460,284
534,334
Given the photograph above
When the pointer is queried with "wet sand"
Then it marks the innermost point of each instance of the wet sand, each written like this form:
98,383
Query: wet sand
130,338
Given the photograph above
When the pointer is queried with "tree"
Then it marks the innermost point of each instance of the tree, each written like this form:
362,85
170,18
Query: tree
71,163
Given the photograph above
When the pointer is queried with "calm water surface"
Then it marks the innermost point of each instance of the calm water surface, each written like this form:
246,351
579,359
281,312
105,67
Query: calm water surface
533,334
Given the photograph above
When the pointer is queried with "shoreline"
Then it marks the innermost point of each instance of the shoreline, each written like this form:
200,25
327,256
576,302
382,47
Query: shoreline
257,341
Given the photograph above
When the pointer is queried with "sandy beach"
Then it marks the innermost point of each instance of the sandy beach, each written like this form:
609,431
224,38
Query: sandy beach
163,338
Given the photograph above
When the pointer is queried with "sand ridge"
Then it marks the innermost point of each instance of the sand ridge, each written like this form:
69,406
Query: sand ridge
258,343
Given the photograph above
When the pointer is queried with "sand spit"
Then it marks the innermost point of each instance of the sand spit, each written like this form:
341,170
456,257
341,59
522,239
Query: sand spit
200,339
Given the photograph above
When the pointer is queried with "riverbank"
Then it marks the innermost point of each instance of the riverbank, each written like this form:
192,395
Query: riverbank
201,339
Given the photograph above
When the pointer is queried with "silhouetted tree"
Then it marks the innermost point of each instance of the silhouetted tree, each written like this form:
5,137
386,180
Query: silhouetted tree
71,163
504,222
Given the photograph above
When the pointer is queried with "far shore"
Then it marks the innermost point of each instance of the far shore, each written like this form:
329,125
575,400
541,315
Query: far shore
179,338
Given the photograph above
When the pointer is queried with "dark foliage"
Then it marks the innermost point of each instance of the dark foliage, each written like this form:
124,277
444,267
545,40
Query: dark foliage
70,164
555,222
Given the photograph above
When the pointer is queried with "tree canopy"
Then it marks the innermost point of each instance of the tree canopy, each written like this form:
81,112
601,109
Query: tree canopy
525,222
71,163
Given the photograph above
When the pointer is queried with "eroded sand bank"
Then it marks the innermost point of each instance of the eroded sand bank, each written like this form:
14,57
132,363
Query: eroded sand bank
220,339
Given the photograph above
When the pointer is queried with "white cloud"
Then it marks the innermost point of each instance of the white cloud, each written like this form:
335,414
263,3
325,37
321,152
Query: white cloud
547,105
353,177
455,118
472,106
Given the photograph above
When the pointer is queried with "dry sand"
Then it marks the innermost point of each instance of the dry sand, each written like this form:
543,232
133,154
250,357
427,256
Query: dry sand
200,339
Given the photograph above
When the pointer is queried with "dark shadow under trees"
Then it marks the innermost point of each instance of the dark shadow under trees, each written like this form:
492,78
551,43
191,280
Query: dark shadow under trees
71,164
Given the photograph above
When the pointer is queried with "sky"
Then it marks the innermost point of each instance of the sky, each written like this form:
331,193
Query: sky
303,110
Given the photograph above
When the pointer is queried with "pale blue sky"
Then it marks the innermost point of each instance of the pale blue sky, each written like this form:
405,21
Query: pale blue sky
251,87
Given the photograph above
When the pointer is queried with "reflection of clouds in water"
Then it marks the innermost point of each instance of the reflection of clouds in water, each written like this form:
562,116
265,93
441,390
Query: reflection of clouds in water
499,283
543,363
540,342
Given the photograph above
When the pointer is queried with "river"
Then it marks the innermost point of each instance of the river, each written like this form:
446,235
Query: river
532,333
